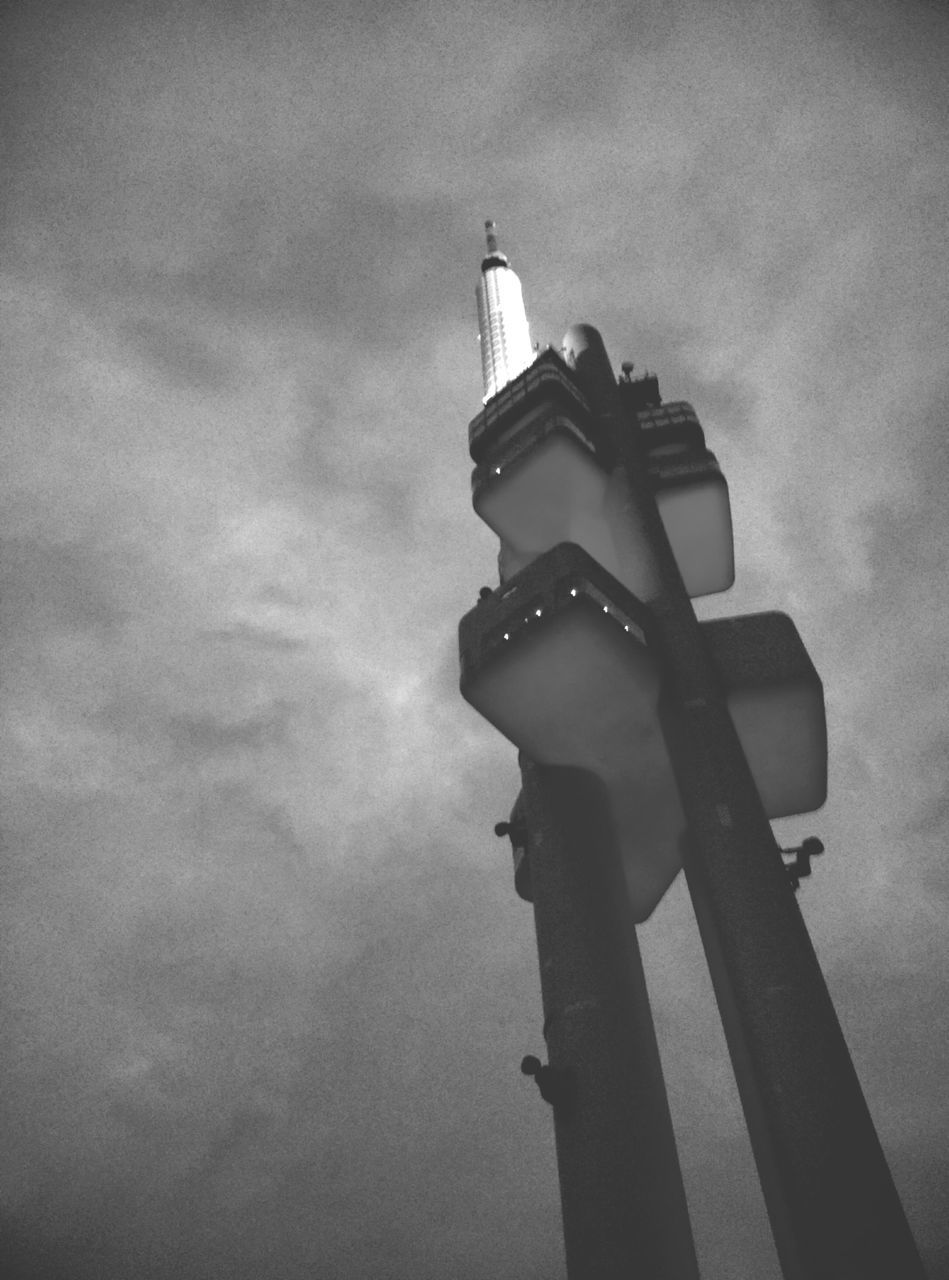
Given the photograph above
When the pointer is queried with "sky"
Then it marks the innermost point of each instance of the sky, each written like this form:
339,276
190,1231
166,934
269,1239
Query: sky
266,983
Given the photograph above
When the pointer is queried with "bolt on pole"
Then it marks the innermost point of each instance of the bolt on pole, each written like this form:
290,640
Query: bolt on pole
624,1208
834,1211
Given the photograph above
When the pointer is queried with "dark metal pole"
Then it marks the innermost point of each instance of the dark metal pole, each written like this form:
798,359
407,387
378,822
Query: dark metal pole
834,1210
624,1208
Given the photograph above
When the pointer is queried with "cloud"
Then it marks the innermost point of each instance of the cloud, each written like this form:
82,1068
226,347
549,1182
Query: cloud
270,979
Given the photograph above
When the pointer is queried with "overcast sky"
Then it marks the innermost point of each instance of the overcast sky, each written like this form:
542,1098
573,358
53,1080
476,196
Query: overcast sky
266,982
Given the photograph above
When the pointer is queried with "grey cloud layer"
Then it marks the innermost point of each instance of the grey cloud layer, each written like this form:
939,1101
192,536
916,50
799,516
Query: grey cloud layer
269,981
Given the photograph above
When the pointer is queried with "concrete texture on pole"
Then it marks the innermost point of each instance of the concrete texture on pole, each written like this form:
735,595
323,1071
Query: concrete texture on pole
834,1211
624,1209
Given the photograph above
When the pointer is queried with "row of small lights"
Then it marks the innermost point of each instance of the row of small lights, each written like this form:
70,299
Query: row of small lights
573,592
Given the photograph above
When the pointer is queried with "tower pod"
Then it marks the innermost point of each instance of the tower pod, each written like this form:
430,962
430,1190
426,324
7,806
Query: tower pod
562,659
546,474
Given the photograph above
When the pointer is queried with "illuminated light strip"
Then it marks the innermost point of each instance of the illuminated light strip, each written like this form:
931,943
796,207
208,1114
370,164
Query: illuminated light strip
611,610
584,588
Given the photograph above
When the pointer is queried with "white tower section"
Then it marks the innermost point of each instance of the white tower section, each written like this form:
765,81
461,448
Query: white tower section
506,347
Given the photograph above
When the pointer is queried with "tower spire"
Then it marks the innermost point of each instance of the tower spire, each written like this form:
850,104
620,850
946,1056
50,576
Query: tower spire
506,347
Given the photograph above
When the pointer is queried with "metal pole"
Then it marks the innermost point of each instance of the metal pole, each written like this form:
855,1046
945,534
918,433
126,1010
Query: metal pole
623,1201
834,1211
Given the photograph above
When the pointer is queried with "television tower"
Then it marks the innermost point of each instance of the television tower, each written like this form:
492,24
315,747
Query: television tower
651,743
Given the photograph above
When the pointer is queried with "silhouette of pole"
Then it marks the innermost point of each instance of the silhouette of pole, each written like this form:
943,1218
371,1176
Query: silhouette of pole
623,1202
834,1211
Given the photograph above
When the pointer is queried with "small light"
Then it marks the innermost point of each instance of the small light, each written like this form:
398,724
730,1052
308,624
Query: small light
537,612
626,628
506,636
573,591
497,471
606,608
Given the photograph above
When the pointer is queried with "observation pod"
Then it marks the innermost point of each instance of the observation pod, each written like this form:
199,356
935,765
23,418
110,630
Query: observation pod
562,660
546,473
776,702
544,467
691,494
559,661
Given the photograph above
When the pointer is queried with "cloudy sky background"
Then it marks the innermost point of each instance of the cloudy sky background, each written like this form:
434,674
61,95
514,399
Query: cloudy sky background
266,984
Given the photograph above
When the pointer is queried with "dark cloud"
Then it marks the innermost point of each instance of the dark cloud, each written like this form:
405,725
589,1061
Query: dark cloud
257,638
199,736
179,358
57,586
